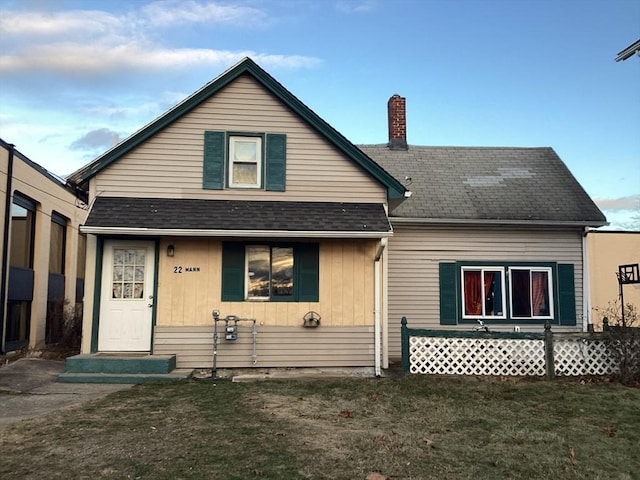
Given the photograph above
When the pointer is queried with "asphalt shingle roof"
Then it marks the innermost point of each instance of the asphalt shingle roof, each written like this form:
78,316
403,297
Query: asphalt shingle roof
196,214
486,183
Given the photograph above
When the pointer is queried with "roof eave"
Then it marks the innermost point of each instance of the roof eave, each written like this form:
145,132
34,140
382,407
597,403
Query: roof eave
494,222
628,52
182,232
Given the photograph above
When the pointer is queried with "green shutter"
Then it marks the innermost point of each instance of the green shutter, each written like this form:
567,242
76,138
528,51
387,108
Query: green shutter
308,259
232,272
566,295
276,162
448,302
214,155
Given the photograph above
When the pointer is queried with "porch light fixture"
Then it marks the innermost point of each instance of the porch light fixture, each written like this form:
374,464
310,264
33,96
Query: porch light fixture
170,250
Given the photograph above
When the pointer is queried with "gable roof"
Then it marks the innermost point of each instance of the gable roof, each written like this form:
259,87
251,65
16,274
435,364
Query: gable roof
43,171
235,218
485,185
395,189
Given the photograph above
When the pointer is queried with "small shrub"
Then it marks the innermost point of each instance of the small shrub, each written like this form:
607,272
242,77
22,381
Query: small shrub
622,334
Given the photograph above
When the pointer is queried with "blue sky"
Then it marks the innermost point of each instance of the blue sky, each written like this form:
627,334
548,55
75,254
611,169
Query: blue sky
77,75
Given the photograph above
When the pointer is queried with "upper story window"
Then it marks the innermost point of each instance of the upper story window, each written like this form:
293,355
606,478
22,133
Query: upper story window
57,244
23,225
245,162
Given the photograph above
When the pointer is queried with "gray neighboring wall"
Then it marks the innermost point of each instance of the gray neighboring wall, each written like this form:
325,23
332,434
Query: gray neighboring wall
487,184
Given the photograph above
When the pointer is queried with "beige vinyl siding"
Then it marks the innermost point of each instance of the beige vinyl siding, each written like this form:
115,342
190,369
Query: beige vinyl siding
188,298
170,163
415,254
275,346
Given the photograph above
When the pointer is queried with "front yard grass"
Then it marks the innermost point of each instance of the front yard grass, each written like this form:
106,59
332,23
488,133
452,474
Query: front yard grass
417,427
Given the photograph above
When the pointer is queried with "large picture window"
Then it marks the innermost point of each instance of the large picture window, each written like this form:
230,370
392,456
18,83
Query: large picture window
270,272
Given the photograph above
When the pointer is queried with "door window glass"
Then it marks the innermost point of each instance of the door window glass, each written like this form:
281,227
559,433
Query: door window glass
128,273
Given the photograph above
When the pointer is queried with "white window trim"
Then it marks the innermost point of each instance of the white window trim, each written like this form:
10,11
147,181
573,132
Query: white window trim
504,292
258,142
549,272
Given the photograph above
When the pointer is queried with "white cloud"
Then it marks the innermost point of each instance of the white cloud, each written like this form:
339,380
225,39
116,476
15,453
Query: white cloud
62,23
353,6
77,58
174,12
629,202
95,42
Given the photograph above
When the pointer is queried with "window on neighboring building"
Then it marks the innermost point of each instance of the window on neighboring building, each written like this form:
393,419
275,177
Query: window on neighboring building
277,272
57,244
22,233
56,288
21,274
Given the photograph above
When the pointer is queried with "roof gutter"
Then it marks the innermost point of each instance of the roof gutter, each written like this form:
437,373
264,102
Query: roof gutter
180,232
492,222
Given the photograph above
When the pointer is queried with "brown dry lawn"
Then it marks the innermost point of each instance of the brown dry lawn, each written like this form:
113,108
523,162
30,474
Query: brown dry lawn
417,427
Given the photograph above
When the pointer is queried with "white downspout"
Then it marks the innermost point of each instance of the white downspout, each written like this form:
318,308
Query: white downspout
586,284
377,330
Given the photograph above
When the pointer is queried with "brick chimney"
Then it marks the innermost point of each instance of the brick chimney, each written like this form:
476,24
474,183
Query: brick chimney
397,123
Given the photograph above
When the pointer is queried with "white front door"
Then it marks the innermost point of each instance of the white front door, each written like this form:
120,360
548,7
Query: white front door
126,300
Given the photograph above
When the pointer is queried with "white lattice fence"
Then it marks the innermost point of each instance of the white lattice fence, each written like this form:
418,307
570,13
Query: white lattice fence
476,356
459,353
581,356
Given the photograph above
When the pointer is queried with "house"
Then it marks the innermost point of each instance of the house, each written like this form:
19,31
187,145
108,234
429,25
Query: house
608,250
491,234
242,200
42,252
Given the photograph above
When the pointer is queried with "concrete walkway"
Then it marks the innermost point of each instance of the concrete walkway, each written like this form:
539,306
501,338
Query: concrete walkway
29,387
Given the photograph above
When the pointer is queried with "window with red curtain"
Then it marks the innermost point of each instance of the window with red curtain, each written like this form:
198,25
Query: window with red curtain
530,293
482,292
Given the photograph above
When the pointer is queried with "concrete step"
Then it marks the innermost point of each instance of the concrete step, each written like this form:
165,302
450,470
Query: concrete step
174,376
120,364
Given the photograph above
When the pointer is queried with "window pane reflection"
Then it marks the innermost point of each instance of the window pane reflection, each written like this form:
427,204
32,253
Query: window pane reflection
282,271
258,272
